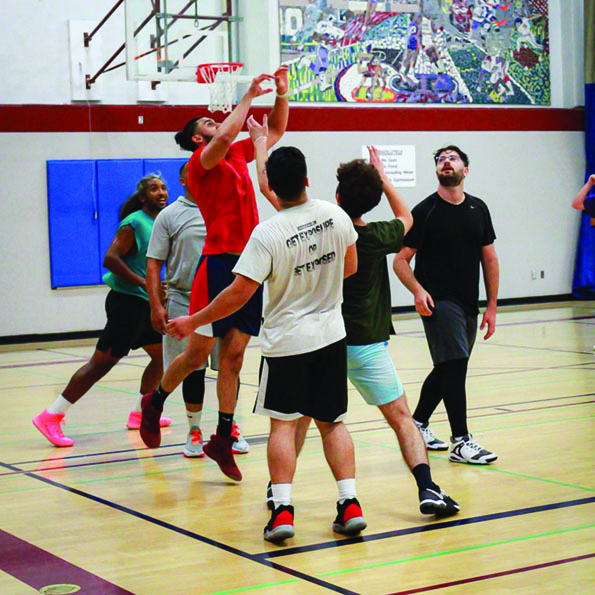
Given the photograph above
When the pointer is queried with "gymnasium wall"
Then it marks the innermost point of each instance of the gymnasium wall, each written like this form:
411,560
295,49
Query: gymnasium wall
526,164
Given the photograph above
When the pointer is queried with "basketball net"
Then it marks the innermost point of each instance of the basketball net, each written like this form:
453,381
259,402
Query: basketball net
222,79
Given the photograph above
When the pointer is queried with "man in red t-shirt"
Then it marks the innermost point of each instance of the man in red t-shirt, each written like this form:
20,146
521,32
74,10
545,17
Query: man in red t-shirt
219,180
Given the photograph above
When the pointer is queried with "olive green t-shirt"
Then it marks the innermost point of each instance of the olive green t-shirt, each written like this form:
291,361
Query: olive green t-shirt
367,308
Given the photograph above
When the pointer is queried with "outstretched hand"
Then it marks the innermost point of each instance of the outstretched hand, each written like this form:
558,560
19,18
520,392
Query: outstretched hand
281,80
255,88
180,328
376,161
257,130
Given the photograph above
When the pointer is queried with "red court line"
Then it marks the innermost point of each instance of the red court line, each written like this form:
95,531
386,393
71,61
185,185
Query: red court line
342,118
484,577
37,568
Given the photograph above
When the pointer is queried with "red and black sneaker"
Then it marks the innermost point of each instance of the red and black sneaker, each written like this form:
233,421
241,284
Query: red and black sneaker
280,526
150,430
219,448
350,519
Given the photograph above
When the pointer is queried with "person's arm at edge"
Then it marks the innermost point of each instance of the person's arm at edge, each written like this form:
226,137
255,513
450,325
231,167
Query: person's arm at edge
232,125
258,134
491,278
159,316
402,267
280,113
395,198
350,266
121,245
579,200
230,300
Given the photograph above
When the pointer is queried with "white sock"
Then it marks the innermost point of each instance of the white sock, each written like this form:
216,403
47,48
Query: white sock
346,489
194,418
60,405
137,402
281,494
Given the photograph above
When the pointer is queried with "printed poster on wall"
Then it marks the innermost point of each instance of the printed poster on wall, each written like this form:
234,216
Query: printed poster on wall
398,162
417,51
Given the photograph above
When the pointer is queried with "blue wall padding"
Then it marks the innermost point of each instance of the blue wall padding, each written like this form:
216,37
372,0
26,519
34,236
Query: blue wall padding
170,172
116,181
84,199
73,227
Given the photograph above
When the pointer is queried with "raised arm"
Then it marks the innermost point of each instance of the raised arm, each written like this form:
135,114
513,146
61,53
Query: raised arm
259,134
122,244
232,125
230,300
280,112
579,199
491,278
395,198
402,267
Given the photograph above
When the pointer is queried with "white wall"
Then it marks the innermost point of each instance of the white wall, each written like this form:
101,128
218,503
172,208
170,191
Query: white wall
528,178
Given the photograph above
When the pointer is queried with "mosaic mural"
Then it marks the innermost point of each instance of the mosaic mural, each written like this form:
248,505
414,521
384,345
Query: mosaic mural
417,51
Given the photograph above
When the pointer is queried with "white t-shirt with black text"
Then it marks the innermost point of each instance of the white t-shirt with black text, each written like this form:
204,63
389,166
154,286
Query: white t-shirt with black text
300,253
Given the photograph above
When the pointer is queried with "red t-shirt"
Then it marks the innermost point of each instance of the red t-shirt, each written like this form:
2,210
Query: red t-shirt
225,197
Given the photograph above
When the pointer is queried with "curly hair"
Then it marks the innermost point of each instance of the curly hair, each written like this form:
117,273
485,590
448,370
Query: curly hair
359,188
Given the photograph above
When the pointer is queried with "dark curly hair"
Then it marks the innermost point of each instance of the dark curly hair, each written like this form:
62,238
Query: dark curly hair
184,137
359,188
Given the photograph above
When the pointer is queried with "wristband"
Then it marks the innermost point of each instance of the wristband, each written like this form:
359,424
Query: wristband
282,95
259,138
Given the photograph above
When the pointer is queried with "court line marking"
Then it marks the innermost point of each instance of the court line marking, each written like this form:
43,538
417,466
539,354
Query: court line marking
206,540
492,575
423,528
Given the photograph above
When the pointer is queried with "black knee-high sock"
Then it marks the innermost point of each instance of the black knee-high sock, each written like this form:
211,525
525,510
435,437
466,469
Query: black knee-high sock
224,425
193,388
430,396
454,376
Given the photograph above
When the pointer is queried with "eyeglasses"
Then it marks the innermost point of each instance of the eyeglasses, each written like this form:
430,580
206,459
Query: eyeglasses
451,158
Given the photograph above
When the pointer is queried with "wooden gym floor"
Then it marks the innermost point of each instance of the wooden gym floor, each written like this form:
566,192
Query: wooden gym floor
109,516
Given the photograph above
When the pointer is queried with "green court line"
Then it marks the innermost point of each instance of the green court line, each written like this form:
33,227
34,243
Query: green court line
254,587
459,550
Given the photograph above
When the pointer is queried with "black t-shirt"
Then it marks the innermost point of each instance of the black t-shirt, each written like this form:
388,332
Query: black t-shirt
448,239
366,307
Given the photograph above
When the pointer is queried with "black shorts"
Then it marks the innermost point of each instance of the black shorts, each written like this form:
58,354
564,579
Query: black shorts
450,332
309,384
128,325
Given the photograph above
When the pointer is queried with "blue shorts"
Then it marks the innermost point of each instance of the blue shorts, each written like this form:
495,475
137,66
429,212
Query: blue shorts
214,274
372,372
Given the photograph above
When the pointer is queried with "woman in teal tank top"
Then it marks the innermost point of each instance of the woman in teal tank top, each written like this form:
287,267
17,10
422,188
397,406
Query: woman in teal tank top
127,308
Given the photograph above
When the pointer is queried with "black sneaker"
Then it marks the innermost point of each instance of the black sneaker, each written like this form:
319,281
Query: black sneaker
280,526
435,501
350,519
270,502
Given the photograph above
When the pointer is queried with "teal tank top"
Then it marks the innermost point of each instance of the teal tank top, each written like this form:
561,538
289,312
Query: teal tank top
142,225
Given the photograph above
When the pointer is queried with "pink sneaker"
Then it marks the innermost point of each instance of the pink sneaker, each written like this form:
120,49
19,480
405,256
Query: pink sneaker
134,418
49,425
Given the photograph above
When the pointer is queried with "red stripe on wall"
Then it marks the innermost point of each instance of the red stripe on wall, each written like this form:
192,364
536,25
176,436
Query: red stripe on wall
162,118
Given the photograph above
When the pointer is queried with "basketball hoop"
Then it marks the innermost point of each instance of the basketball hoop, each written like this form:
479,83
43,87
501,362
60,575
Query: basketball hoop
222,78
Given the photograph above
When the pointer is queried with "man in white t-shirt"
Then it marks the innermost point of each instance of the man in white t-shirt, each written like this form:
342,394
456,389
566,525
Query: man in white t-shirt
303,253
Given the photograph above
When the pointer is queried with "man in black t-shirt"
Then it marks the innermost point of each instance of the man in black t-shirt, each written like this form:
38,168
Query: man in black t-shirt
452,234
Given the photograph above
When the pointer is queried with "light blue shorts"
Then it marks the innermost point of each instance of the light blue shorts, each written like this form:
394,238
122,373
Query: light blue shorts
372,372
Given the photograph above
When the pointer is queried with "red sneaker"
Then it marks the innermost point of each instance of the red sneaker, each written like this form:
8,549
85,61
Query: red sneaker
280,526
49,425
219,449
350,519
149,425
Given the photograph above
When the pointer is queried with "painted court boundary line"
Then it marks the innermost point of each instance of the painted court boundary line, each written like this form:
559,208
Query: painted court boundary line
186,533
492,575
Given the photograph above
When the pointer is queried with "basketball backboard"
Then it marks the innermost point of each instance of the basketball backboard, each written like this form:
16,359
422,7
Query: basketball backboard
167,39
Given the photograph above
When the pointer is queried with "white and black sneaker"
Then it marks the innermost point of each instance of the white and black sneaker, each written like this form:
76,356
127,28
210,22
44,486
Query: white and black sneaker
466,450
432,443
435,501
